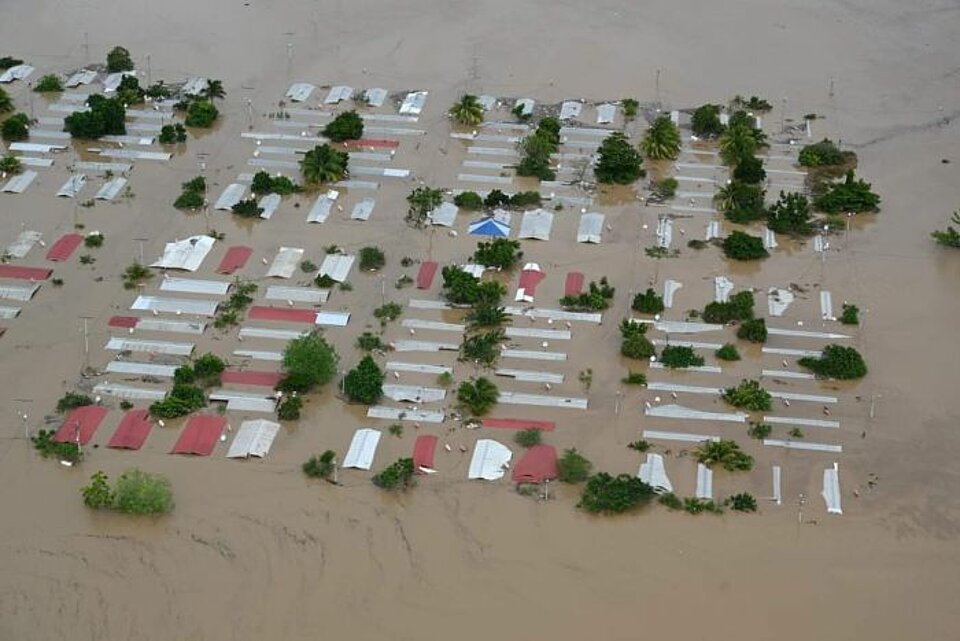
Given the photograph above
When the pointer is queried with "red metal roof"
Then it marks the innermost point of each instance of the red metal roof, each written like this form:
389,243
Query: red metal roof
86,419
537,464
529,279
574,284
377,143
518,424
235,258
24,273
428,269
123,321
200,435
423,450
132,431
283,314
251,377
64,247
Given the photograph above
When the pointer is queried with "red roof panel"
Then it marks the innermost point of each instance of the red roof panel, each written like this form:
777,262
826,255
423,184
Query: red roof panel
283,314
125,322
64,247
574,284
518,424
251,377
235,258
375,143
83,420
24,273
529,279
200,435
537,464
132,431
423,450
428,270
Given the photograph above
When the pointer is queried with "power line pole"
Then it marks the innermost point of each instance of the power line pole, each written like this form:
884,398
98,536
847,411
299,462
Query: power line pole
86,47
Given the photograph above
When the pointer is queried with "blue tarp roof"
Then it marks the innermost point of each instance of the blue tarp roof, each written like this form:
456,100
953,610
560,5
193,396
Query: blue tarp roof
489,227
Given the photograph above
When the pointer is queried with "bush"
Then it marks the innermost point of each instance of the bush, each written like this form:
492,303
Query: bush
753,330
469,200
728,352
742,502
368,341
170,134
596,298
759,431
535,152
247,208
706,121
790,215
324,164
461,288
118,59
478,396
137,492
208,368
635,344
445,379
680,356
753,103
72,400
364,383
98,494
648,302
192,195
618,162
725,453
820,154
496,198
671,501
850,195
739,307
106,116
397,476
741,202
665,188
7,62
310,360
500,252
10,164
741,246
321,467
528,438
45,445
182,399
372,258
134,275
388,312
487,315
526,199
49,83
634,378
614,494
264,183
694,505
129,91
749,170
639,446
422,201
15,128
838,362
949,237
748,395
573,467
850,315
184,374
631,107
346,126
662,140
201,113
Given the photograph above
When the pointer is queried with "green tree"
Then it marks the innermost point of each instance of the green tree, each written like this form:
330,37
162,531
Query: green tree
478,396
15,128
648,302
706,121
346,126
739,307
635,344
461,288
759,431
399,475
665,188
309,361
618,161
467,110
98,494
372,258
129,91
680,356
849,195
324,164
171,134
753,330
725,453
740,202
821,154
487,315
321,467
208,368
738,141
741,246
496,198
118,59
790,215
500,252
201,113
482,348
608,494
837,362
469,200
662,140
528,437
748,395
140,493
535,152
214,89
597,297
742,502
631,107
48,84
949,237
73,400
727,352
289,408
750,170
247,208
573,467
10,164
364,383
6,104
421,201
106,116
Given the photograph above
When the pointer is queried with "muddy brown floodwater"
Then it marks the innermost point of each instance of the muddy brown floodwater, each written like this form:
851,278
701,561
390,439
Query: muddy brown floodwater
253,550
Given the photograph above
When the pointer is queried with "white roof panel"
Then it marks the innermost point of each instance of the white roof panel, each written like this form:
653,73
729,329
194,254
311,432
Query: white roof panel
533,355
115,167
134,154
82,77
438,326
831,489
653,473
321,206
300,91
18,72
413,103
172,326
129,392
801,445
555,314
18,184
73,186
269,205
338,94
424,346
414,393
683,437
23,244
186,254
254,438
332,319
363,447
535,332
542,400
489,460
117,344
195,86
309,295
405,414
111,188
195,286
50,134
265,405
35,147
7,313
606,113
570,109
28,161
591,228
363,209
704,482
258,355
677,411
337,266
536,224
274,334
375,96
18,292
528,376
233,194
419,368
142,369
487,101
526,105
445,215
286,262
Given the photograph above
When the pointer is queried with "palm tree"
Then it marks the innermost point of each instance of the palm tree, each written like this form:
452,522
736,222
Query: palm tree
214,89
725,453
478,396
322,466
468,111
5,103
737,142
323,164
662,140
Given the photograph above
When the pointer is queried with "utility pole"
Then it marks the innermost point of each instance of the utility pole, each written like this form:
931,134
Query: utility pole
783,111
86,344
86,47
658,86
149,74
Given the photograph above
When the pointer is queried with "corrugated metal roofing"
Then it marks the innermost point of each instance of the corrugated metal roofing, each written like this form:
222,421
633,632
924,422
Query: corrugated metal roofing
111,188
8,313
82,77
80,424
387,118
28,161
704,482
309,295
338,94
654,473
259,355
24,273
48,134
300,91
606,114
195,86
186,254
538,464
363,448
18,292
542,400
416,303
533,332
678,411
200,435
585,131
518,424
570,109
528,376
417,323
23,244
357,184
142,369
489,460
806,422
413,103
254,438
445,215
591,228
419,368
195,286
414,393
487,102
282,314
273,164
428,269
233,194
73,186
115,167
134,154
129,392
173,326
275,334
683,437
286,262
375,96
322,206
35,147
485,178
533,355
132,431
536,224
371,143
801,445
332,319
19,72
64,247
269,205
831,489
336,266
117,344
363,209
143,141
19,183
404,414
424,346
235,258
423,451
176,305
228,395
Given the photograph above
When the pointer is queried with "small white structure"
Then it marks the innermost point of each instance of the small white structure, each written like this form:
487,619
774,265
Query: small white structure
195,286
363,209
443,216
670,288
111,189
338,94
18,184
489,460
536,224
591,227
375,97
704,482
654,474
186,254
19,72
322,206
831,489
722,287
363,447
525,105
285,263
778,300
269,205
570,109
413,103
73,186
337,266
606,114
189,306
233,194
300,91
254,438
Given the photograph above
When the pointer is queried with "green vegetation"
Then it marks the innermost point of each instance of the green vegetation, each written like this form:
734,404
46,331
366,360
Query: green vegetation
748,395
396,430
240,299
71,401
93,240
753,103
639,446
204,372
850,315
528,437
741,246
740,202
346,126
694,505
158,90
728,352
671,501
388,312
369,341
665,188
597,297
6,104
619,162
759,431
10,164
795,432
482,348
182,399
445,379
725,453
680,356
289,408
634,378
586,378
136,492
397,476
750,170
372,258
648,302
422,201
496,198
134,275
739,307
536,148
171,134
308,266
742,502
247,208
98,494
705,121
324,164
848,196
106,116
500,252
364,383
467,111
15,128
631,107
87,259
461,288
6,62
48,84
608,494
820,154
308,362
48,448
118,59
949,237
129,91
201,113
264,183
469,200
740,140
478,396
753,330
192,195
838,362
662,140
487,315
321,467
573,467
790,215
635,344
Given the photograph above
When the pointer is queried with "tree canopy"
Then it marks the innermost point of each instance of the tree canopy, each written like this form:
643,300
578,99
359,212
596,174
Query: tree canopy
662,140
849,195
748,395
790,215
308,361
604,493
421,201
821,154
741,246
118,59
949,237
399,475
725,453
106,117
740,202
500,252
837,362
648,302
364,383
48,83
536,148
467,110
618,161
635,344
705,121
201,113
16,127
6,104
478,396
573,467
346,126
324,164
753,330
462,288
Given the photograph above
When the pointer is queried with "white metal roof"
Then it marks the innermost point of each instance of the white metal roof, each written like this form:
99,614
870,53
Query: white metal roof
117,344
704,482
554,314
82,77
134,154
66,108
52,134
424,346
363,209
115,167
334,319
73,186
414,393
445,215
664,232
806,422
309,295
404,414
489,460
172,326
338,94
7,313
276,334
18,72
826,305
419,368
831,489
670,287
419,303
528,376
18,184
653,473
269,205
129,392
419,323
678,411
254,438
570,109
143,369
606,113
337,266
536,224
23,244
258,355
542,400
526,105
802,445
375,96
321,206
363,447
300,91
486,101
357,184
18,292
683,437
585,131
534,332
35,147
112,81
195,286
413,103
111,188
533,355
286,262
186,254
195,86
722,287
28,161
233,194
591,228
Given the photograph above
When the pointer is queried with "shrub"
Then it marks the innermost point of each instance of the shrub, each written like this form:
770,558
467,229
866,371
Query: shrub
321,467
137,492
535,152
208,368
728,352
397,476
836,361
726,453
118,59
7,62
93,240
98,494
614,494
694,505
184,374
748,395
496,198
790,215
388,312
346,126
500,252
469,200
680,356
741,246
706,121
849,195
528,438
478,396
742,502
49,83
482,348
795,432
597,297
324,281
445,379
741,202
72,400
850,315
45,445
422,201
639,446
372,258
749,170
135,274
368,341
739,307
247,208
364,383
10,164
820,154
264,183
15,128
396,430
129,91
949,237
662,140
753,330
170,134
665,188
182,399
487,315
635,344
461,288
759,431
106,116
573,467
201,113
634,378
467,111
126,405
648,302
324,164
310,360
308,266
753,103
618,162
671,501
192,196
631,107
